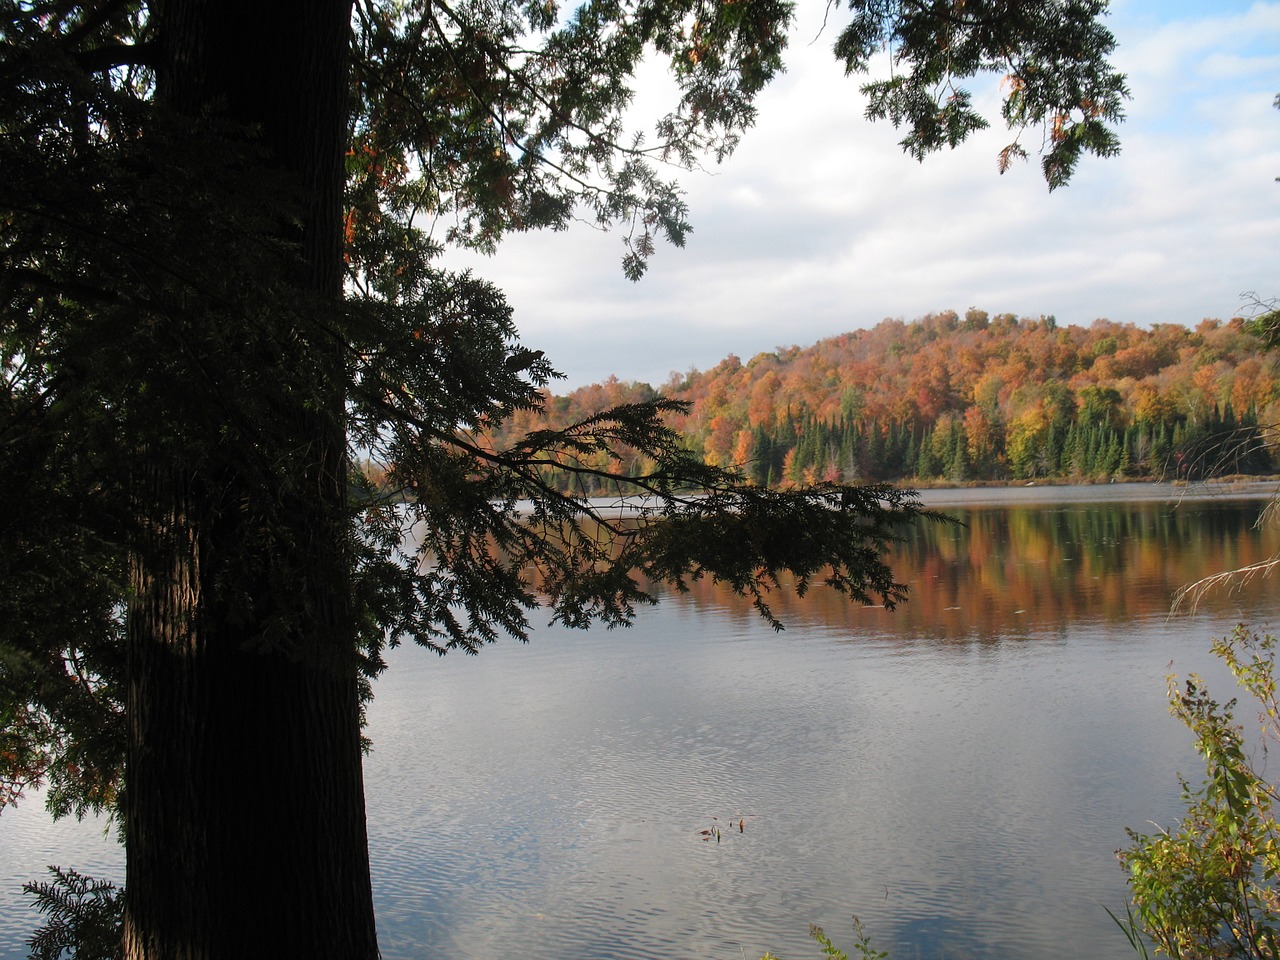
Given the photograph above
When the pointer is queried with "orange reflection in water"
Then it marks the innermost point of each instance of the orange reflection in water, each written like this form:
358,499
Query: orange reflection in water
1019,570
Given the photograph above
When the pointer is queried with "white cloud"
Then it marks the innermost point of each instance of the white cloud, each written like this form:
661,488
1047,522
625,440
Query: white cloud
820,224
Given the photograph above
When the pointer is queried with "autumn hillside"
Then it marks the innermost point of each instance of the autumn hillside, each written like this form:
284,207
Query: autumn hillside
977,397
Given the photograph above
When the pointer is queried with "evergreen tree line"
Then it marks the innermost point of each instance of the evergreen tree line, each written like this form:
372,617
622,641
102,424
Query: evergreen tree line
1004,399
803,449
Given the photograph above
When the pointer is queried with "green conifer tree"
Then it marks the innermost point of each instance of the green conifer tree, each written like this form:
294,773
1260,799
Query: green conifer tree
217,289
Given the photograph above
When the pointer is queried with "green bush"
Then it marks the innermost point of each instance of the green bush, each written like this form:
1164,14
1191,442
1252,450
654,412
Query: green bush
1205,889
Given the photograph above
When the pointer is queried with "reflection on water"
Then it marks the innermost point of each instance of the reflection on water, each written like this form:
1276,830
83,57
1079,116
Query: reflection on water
1031,569
958,773
964,801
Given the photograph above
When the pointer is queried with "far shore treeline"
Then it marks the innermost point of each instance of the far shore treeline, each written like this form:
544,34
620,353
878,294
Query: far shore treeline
973,397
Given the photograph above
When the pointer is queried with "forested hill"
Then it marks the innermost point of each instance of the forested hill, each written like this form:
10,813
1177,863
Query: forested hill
977,397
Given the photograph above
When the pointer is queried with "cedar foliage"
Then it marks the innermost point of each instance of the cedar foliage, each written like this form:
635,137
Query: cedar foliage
218,285
151,315
83,917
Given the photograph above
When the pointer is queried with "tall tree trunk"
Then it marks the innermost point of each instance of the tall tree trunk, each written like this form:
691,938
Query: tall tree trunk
244,806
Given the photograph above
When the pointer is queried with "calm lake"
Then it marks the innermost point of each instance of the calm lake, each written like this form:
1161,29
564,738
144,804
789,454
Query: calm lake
958,773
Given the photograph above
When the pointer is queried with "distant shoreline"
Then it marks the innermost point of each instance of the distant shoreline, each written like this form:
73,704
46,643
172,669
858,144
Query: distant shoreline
1049,492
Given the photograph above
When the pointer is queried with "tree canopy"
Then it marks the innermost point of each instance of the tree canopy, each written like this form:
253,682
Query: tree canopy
973,397
219,224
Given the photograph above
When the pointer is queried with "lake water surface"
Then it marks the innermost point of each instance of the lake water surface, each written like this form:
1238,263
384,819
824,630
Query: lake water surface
958,773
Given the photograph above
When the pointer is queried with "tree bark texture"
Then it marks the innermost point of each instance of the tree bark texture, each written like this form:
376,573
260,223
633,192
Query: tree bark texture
244,803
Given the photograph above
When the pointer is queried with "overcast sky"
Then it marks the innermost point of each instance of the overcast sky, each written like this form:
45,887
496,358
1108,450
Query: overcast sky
819,223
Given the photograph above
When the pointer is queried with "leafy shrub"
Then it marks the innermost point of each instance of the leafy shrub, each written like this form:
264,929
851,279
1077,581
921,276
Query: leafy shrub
1206,888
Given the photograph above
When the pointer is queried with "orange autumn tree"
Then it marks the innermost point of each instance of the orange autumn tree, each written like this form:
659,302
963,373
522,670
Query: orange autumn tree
1169,401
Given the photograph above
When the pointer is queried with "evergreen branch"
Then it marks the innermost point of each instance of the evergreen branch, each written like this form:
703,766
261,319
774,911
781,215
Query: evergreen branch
110,56
96,17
